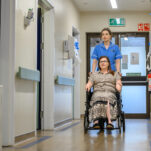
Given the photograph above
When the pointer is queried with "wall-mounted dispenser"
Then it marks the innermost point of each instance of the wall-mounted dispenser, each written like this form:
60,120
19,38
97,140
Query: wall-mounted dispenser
68,46
29,17
71,48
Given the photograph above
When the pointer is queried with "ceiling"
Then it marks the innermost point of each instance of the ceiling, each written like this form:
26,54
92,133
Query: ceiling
104,5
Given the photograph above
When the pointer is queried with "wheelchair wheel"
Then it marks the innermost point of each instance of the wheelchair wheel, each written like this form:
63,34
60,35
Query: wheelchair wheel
119,124
123,121
86,123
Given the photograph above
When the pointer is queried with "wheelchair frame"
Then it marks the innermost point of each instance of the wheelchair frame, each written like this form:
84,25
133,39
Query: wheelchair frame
120,116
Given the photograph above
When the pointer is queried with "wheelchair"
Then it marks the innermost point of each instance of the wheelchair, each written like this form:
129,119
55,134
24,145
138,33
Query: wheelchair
120,115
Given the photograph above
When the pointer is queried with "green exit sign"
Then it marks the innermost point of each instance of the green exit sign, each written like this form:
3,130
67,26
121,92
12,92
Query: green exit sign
117,22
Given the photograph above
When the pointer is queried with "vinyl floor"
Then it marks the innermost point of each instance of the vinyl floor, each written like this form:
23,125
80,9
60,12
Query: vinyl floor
71,137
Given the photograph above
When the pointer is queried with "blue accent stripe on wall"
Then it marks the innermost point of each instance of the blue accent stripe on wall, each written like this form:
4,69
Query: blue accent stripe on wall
35,142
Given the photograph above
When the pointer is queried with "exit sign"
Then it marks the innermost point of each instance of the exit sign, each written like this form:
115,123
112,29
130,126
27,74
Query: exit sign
117,22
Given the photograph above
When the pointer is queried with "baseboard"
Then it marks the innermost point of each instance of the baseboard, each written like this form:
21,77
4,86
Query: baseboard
24,137
82,116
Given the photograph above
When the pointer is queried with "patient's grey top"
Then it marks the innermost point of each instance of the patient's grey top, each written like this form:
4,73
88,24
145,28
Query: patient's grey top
104,86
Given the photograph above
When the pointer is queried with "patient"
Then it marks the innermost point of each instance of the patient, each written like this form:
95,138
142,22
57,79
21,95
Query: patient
103,103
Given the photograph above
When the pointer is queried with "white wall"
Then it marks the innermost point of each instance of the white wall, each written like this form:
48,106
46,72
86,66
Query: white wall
95,22
24,40
7,61
26,50
66,16
1,97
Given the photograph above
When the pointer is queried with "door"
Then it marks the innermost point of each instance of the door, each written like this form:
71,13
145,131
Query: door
40,67
134,47
39,39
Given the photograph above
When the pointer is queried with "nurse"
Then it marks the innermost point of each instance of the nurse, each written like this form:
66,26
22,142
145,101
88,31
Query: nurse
107,48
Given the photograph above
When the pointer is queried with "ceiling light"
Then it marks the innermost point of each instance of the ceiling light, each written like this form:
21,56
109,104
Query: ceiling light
113,3
125,38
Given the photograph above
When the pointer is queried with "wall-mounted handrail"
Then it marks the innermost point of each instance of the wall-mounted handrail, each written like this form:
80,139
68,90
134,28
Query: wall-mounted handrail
64,81
28,74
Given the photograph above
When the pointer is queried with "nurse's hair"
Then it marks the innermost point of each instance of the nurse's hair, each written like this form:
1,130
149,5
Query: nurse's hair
106,29
109,67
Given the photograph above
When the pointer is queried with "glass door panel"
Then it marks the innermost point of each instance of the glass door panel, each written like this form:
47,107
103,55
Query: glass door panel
133,68
134,99
134,56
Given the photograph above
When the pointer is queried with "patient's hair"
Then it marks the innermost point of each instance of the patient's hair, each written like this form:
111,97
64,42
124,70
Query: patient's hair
109,67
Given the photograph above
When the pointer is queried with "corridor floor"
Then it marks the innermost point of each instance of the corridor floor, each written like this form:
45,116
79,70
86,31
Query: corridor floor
71,137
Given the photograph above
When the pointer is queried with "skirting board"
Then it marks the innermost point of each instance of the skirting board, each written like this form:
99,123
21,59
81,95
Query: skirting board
24,137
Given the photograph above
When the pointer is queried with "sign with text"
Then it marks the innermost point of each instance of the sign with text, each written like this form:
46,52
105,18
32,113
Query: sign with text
149,82
140,27
116,22
146,27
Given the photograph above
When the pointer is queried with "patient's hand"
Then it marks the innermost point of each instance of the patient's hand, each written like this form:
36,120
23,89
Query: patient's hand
89,73
87,87
119,85
119,82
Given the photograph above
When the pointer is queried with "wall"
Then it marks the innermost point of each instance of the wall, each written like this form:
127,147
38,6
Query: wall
1,97
26,50
94,22
66,16
7,61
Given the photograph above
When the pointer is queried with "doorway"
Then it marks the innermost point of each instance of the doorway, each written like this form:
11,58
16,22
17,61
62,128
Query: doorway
40,59
46,47
134,47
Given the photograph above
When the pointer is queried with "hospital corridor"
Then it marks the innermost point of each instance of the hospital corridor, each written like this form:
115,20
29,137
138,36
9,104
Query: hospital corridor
75,75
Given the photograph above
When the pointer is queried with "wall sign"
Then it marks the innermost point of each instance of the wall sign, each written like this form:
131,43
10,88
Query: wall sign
146,27
116,22
143,27
140,27
149,82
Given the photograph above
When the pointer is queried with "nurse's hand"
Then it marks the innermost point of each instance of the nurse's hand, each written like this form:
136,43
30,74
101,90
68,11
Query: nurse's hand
120,74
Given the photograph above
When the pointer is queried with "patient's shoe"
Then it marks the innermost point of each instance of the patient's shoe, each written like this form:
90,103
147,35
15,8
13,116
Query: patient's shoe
110,126
96,126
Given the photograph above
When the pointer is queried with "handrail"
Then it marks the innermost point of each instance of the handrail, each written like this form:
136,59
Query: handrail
64,81
28,74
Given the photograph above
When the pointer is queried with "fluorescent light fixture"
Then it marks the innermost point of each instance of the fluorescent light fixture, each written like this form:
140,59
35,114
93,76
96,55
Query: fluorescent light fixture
113,3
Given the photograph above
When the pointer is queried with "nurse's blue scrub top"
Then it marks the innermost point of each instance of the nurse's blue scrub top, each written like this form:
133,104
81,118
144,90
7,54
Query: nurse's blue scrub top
113,53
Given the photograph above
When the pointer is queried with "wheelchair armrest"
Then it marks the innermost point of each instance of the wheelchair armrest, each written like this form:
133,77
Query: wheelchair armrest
89,95
118,95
